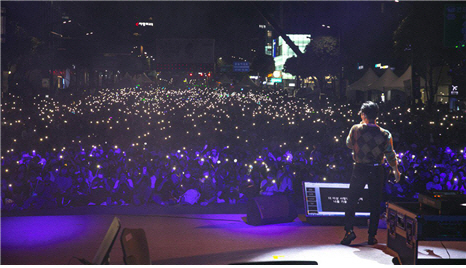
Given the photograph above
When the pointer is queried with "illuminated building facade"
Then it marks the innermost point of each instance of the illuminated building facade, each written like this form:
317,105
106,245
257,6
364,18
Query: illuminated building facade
269,42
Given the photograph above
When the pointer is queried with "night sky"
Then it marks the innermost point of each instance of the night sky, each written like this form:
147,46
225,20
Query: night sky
363,26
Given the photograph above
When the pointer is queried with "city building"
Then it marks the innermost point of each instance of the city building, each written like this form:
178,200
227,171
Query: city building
268,40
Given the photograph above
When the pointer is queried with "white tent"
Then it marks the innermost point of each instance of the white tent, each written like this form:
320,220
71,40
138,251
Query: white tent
399,84
128,77
127,80
362,84
142,79
152,74
246,82
384,81
359,87
224,79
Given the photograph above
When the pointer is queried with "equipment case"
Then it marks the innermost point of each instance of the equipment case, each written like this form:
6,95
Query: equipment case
408,223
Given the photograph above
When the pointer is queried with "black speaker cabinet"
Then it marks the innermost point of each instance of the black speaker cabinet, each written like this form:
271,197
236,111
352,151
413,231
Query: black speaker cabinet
270,210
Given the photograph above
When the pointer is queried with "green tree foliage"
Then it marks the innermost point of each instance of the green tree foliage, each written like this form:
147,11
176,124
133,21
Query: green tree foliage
293,66
320,59
24,55
323,56
22,51
419,41
262,64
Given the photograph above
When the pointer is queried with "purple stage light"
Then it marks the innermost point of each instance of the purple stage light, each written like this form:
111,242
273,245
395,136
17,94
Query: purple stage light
39,231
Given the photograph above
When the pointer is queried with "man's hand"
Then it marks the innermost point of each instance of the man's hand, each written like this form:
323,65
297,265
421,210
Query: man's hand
397,174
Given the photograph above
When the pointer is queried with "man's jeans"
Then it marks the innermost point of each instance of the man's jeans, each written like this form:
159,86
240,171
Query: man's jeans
373,176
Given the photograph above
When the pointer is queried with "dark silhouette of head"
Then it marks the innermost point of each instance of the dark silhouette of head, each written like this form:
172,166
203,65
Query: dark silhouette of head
370,110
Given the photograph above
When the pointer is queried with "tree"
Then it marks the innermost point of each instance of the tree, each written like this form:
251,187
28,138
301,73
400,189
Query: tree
22,46
323,52
294,66
263,64
320,59
418,40
22,53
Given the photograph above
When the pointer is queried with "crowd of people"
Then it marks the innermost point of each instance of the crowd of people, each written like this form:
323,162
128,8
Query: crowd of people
198,146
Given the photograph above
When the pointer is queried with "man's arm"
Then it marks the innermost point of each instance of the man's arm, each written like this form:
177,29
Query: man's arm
391,157
349,139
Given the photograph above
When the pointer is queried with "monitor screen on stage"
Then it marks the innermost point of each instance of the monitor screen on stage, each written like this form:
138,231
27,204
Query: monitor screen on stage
329,199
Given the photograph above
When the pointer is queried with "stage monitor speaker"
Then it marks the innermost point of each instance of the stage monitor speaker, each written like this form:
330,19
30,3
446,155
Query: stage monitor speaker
135,247
270,210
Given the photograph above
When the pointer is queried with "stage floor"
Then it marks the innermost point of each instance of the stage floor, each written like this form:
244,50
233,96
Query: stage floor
181,239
